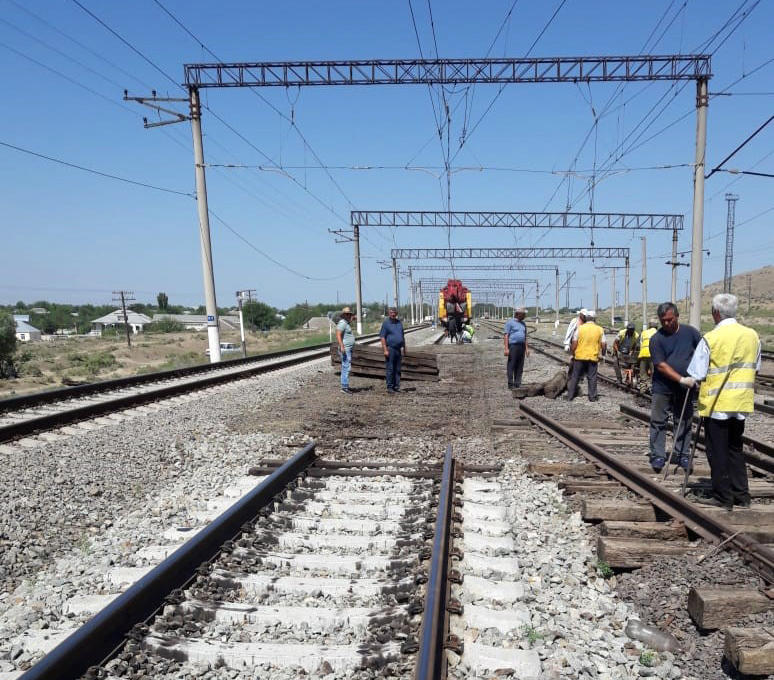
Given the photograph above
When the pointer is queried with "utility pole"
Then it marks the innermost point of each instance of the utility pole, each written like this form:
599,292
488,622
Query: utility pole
213,332
240,296
594,291
537,301
731,199
626,292
124,296
749,292
673,292
644,284
612,297
702,100
421,303
358,282
411,295
556,283
395,282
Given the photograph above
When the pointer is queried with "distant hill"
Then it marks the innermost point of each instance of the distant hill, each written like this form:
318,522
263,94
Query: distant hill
761,284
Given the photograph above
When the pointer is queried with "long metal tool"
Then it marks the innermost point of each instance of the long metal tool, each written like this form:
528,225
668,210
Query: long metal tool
430,662
676,434
98,638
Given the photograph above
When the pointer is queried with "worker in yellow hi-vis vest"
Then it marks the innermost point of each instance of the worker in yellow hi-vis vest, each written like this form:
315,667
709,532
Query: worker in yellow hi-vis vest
725,361
646,363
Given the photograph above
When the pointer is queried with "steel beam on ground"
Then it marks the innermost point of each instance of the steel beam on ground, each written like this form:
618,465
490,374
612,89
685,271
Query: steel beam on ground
585,69
510,220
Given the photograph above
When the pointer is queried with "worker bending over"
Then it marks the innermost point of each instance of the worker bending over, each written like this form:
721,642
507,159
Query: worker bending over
646,363
725,361
625,348
587,347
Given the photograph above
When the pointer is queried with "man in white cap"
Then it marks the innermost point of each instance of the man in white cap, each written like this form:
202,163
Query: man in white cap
571,328
346,340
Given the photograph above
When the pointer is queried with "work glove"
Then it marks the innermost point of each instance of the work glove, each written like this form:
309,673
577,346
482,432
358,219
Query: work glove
687,381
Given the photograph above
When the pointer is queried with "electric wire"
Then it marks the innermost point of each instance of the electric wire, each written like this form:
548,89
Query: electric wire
97,172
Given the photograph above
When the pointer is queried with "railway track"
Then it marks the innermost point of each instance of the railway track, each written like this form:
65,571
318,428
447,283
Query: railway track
28,414
322,568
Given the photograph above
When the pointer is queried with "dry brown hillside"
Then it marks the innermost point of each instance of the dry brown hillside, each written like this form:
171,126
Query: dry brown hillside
761,283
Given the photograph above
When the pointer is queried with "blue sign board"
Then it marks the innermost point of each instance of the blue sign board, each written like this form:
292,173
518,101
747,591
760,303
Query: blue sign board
210,317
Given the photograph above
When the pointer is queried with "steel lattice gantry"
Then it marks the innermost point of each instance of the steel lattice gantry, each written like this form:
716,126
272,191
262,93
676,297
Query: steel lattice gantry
511,253
508,219
500,219
508,253
584,69
448,71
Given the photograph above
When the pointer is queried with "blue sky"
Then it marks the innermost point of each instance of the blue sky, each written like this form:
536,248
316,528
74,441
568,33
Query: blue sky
70,235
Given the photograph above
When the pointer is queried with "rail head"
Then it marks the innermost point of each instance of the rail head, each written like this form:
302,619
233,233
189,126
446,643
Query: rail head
432,634
94,642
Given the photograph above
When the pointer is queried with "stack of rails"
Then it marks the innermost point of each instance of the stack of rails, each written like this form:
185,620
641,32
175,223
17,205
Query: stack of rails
368,362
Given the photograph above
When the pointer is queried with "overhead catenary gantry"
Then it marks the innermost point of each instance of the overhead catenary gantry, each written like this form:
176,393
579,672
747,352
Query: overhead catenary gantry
505,70
506,253
497,219
509,266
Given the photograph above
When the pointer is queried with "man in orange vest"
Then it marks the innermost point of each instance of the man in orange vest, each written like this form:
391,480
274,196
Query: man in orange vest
587,346
725,361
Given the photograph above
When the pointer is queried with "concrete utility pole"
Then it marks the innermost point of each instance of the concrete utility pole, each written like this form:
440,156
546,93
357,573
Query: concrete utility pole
124,296
557,295
673,293
626,291
537,301
702,100
421,303
594,291
749,292
411,295
240,296
612,297
358,284
395,282
731,199
213,331
644,284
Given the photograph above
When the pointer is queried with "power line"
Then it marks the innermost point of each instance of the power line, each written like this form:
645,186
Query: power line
97,172
129,45
738,148
249,243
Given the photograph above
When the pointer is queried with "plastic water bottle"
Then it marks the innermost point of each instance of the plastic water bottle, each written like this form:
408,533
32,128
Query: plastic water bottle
655,638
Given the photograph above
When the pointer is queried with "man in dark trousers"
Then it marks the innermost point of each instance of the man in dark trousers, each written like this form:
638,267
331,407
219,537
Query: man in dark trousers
726,361
671,349
394,346
515,340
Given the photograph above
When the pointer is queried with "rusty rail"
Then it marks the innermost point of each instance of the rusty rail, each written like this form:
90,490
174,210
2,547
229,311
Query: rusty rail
760,556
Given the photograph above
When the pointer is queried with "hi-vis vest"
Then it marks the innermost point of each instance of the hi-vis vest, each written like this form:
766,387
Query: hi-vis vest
647,334
632,341
731,375
589,342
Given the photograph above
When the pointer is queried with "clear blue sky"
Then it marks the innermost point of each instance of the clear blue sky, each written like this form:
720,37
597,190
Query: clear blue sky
73,236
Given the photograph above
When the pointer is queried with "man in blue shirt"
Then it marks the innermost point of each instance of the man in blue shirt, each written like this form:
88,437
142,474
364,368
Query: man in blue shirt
671,349
394,346
515,339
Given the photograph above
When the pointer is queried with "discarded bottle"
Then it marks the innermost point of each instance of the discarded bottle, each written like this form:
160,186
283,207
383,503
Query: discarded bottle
653,637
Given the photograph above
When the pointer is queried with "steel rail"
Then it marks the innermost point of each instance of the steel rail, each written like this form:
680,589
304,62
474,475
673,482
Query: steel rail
78,413
698,521
64,393
432,635
94,642
758,445
764,462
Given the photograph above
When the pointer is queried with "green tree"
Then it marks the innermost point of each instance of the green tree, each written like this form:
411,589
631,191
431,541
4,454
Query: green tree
163,301
7,346
259,315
